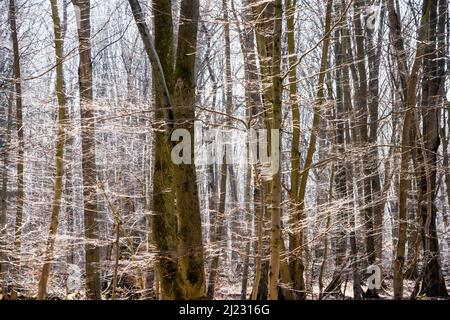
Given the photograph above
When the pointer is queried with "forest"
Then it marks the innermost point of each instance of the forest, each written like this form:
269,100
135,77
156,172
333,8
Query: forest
224,150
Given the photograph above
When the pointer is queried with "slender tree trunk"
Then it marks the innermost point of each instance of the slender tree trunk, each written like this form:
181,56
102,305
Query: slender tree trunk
374,62
88,162
4,213
116,258
217,234
446,164
368,164
408,83
262,18
340,175
59,157
275,231
296,262
253,106
259,282
323,265
320,95
414,236
219,221
20,151
346,93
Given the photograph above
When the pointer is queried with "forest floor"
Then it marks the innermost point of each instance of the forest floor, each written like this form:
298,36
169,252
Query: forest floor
231,291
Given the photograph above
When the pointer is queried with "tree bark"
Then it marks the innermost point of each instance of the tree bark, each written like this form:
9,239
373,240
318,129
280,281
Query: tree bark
320,95
431,282
4,195
88,162
275,231
163,220
59,156
219,220
296,264
408,83
190,246
20,157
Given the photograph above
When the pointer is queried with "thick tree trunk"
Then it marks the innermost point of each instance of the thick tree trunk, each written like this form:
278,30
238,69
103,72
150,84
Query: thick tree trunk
163,221
190,246
262,18
431,282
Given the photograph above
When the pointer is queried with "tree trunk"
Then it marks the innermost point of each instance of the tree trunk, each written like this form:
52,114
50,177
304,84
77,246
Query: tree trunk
4,213
371,180
340,174
220,219
346,93
323,265
253,108
408,83
296,261
88,162
275,231
320,95
190,246
378,201
20,156
431,282
260,282
59,157
163,221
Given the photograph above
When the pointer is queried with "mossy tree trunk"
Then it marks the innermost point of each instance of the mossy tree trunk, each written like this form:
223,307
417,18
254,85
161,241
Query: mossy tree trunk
190,246
179,89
